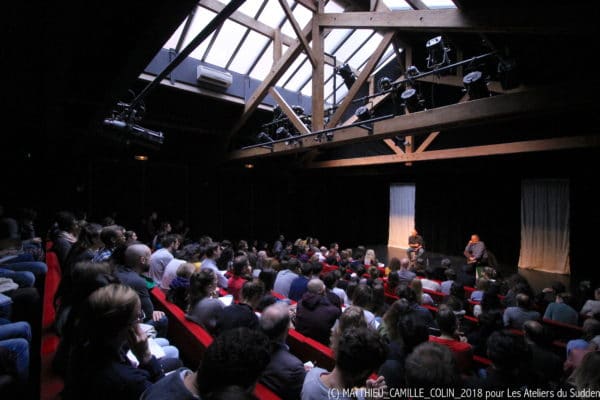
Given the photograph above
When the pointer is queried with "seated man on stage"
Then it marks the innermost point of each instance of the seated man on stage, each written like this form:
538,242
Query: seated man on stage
476,252
415,245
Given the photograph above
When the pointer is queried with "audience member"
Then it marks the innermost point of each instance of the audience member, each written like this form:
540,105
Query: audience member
286,276
240,272
453,338
299,285
515,317
285,373
212,251
315,315
203,306
560,311
242,314
592,307
431,366
360,352
161,257
179,287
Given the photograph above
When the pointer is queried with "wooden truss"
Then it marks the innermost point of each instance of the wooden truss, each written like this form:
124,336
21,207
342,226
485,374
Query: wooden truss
504,105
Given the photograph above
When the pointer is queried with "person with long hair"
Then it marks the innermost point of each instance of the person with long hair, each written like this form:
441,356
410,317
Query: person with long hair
99,367
203,306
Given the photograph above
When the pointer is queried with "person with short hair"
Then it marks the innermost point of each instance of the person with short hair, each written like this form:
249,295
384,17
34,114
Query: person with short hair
360,352
212,251
242,314
161,257
285,373
592,306
416,245
315,315
453,338
560,311
286,276
234,359
203,306
431,366
515,317
475,251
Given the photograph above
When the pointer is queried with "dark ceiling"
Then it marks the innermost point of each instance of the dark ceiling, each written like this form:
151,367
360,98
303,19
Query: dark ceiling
67,63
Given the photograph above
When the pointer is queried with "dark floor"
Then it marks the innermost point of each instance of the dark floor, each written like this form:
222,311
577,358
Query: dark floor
537,279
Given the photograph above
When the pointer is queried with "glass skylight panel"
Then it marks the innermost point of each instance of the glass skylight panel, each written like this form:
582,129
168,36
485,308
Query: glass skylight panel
328,81
304,73
272,15
334,38
387,57
397,4
333,7
248,52
250,8
341,92
365,51
264,65
356,40
301,58
439,3
302,15
172,42
307,90
198,52
230,35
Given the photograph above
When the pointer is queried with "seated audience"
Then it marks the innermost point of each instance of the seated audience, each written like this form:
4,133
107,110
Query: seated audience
299,285
189,253
515,317
112,237
431,366
585,376
453,338
99,368
405,292
359,353
241,270
315,315
481,286
161,257
449,274
403,329
242,314
546,366
286,276
428,282
179,287
406,276
234,359
560,311
352,317
592,307
212,251
422,298
203,305
284,374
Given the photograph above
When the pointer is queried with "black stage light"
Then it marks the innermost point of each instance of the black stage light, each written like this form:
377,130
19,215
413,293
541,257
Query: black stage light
346,73
437,53
475,85
363,113
411,100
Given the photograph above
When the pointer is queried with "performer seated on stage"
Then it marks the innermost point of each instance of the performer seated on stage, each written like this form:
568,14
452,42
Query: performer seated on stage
476,252
415,245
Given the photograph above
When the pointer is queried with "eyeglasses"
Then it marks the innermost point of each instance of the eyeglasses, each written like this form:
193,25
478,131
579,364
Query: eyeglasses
140,317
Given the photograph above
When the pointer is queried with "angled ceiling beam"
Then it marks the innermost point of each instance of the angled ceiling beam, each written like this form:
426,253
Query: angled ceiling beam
290,15
310,4
287,110
430,138
540,101
527,146
362,78
527,20
390,143
272,77
318,74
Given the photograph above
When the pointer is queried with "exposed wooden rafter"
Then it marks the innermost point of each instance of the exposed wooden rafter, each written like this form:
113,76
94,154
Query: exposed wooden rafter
292,20
318,74
287,110
526,146
507,106
527,20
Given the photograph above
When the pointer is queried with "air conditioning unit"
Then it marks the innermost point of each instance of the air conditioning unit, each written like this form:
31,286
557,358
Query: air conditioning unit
212,76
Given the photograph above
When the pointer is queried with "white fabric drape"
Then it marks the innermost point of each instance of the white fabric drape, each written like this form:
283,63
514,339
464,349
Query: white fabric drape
545,226
402,214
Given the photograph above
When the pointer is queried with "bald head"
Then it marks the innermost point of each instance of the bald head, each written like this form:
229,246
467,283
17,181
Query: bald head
137,256
404,263
275,320
534,331
316,286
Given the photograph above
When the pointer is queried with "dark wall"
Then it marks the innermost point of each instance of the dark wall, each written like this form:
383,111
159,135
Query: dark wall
454,198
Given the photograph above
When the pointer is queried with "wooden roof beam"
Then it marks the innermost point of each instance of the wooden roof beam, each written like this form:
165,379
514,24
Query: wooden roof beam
527,146
290,15
530,21
492,109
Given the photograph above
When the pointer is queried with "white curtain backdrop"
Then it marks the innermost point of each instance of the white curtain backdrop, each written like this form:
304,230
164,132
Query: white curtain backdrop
402,214
545,226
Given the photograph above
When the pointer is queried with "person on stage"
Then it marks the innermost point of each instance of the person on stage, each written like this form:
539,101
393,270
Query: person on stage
475,252
415,245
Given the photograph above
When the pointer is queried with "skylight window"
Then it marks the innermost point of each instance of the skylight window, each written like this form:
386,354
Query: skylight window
230,35
247,53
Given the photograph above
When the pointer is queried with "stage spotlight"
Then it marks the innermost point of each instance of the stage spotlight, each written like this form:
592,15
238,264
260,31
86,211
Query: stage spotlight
437,53
412,71
346,73
508,74
264,138
282,132
475,85
363,113
385,83
298,110
411,100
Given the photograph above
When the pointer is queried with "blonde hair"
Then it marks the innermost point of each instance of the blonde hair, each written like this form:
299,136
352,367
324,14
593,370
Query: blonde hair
111,310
